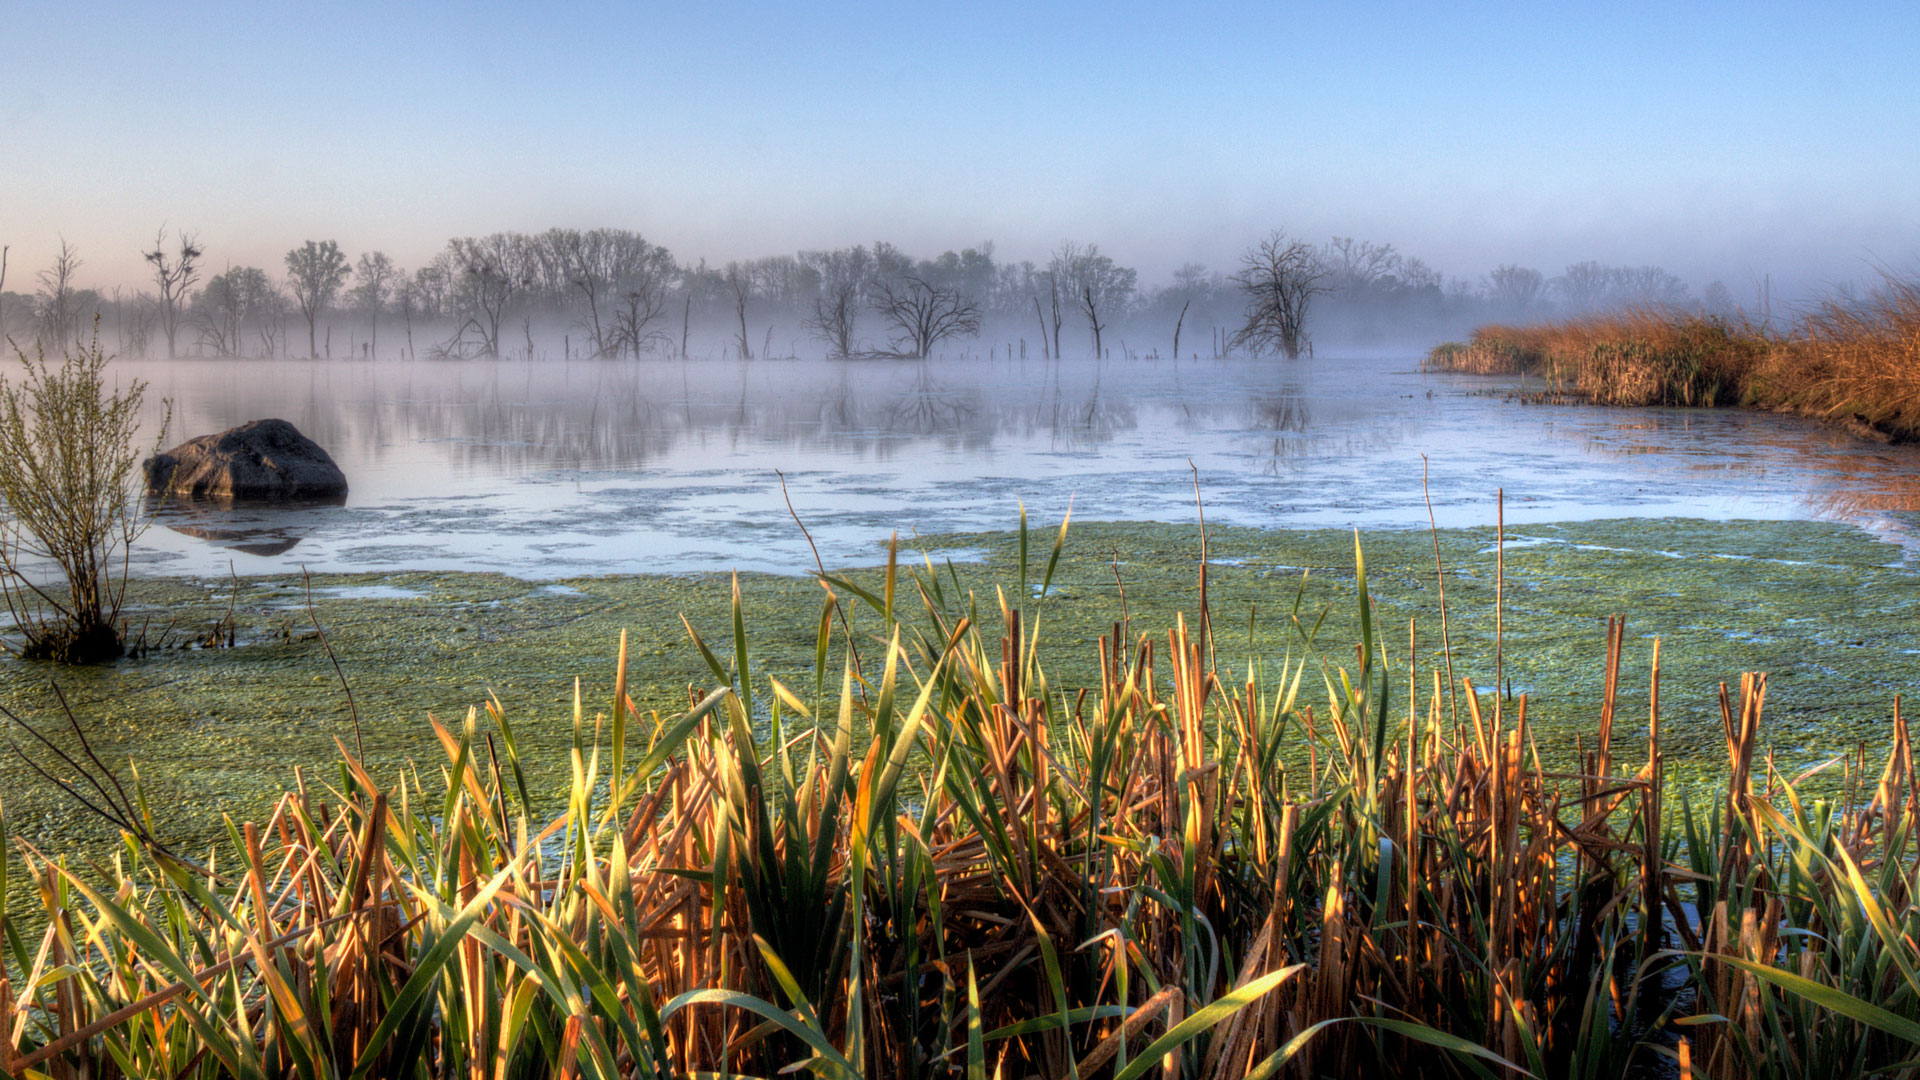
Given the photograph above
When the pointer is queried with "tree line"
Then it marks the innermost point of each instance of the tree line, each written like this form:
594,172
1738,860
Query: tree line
611,293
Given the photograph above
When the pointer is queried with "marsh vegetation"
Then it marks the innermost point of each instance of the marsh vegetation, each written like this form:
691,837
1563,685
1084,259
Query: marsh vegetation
920,850
69,512
1853,361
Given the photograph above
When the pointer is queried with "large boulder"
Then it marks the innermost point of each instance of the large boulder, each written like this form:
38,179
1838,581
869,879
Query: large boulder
261,459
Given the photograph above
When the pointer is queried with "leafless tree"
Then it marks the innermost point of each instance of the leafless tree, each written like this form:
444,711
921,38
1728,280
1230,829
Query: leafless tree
315,272
227,304
406,297
173,277
1279,276
740,284
272,324
491,271
1584,286
1515,288
846,277
834,315
1358,266
143,316
642,298
924,314
1058,279
3,292
1589,286
614,272
374,279
1096,285
57,298
433,284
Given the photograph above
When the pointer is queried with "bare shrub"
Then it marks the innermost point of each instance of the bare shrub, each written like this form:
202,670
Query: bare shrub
68,506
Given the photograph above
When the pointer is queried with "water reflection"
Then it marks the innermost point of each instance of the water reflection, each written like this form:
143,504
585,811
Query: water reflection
262,530
545,469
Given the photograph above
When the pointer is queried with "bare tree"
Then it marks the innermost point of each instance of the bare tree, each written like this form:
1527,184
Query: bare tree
315,272
846,276
57,299
1279,276
271,324
925,314
140,321
375,277
642,295
613,271
1584,286
490,271
1058,278
3,291
173,277
740,283
1097,285
227,304
1590,286
1354,267
834,315
433,284
406,297
1515,288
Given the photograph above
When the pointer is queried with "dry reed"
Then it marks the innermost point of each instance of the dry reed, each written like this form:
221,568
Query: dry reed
1853,362
941,865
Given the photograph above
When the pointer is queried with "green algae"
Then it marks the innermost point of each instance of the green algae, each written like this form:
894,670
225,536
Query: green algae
1828,610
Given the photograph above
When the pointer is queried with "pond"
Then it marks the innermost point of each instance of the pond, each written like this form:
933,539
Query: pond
549,469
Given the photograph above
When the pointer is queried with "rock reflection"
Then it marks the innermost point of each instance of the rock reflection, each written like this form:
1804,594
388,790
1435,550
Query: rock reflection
261,529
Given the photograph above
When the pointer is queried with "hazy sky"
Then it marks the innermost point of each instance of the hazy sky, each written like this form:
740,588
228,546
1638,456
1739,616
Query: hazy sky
1718,140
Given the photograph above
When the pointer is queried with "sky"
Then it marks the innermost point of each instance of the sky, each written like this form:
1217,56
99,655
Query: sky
1723,142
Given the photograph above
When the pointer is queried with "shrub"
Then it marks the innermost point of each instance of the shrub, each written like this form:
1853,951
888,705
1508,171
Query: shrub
67,505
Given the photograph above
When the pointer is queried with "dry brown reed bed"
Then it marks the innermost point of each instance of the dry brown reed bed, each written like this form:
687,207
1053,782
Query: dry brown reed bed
940,865
1855,363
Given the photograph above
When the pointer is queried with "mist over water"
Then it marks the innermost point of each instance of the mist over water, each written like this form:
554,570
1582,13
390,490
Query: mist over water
555,469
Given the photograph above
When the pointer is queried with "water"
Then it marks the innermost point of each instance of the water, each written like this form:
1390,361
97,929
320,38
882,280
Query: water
548,469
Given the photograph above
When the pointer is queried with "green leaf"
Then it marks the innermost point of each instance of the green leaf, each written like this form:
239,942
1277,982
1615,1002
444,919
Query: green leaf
1204,1021
837,1065
1831,999
427,971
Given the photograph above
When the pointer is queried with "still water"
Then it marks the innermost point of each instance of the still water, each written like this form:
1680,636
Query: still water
553,469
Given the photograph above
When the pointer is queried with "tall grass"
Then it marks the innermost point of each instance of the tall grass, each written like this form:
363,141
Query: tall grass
1852,362
938,863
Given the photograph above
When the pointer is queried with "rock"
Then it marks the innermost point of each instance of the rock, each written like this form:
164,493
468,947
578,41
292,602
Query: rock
261,459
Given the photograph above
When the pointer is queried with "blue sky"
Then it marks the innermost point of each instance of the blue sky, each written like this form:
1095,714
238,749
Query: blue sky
1722,141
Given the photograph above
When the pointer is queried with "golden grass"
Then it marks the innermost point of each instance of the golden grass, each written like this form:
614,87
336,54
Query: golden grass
935,863
1855,363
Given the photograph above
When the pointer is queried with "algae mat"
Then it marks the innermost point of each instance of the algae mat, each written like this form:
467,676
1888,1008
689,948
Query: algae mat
1828,610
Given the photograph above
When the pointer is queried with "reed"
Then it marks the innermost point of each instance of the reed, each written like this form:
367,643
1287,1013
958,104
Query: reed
938,863
1853,362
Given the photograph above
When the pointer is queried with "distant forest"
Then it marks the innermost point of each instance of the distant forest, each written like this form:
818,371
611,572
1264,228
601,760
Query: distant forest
610,293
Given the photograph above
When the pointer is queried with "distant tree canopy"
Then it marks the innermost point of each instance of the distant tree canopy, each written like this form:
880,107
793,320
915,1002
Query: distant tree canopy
612,292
